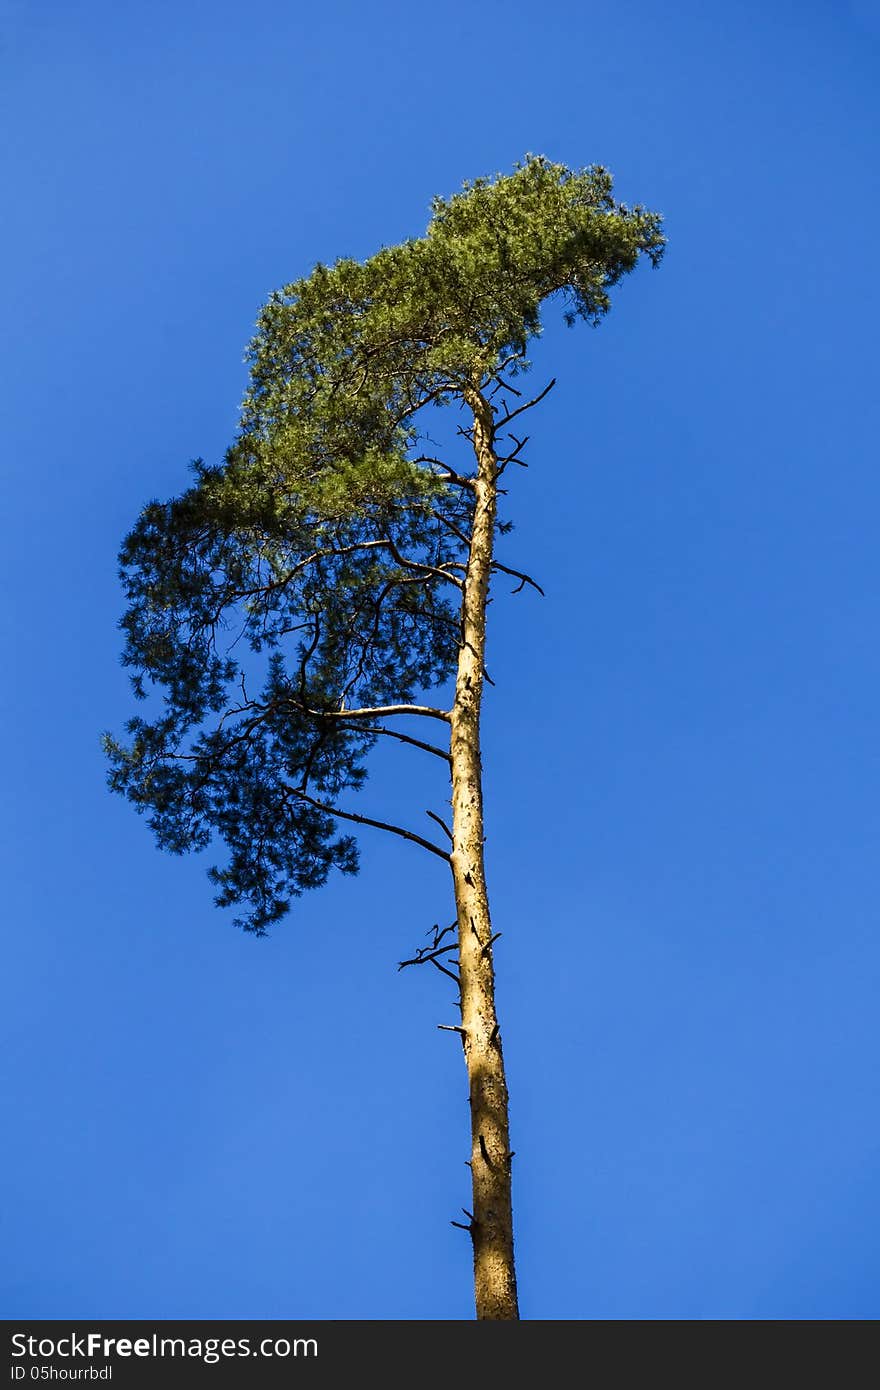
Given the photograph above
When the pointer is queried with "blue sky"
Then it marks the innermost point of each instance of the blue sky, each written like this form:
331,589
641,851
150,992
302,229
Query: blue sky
682,755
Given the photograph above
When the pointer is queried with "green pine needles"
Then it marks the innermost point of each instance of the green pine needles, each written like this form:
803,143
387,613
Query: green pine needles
296,600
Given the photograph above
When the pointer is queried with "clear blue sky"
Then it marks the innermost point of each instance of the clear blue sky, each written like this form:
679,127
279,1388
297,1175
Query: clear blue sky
682,751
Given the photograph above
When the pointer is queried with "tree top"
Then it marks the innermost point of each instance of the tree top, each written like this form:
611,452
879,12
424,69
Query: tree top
427,316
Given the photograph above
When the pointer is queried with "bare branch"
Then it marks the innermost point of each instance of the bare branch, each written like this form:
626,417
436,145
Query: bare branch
407,738
431,956
331,551
440,822
438,934
458,478
417,565
413,407
501,384
368,820
514,456
453,977
528,405
518,355
518,574
465,540
384,710
307,656
425,954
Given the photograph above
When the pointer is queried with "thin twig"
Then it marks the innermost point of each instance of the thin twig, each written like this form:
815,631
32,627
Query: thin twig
440,822
438,934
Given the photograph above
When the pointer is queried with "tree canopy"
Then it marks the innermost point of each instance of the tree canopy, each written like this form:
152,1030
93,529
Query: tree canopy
307,589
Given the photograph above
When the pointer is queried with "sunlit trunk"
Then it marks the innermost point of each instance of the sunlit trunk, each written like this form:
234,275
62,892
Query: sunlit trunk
492,1223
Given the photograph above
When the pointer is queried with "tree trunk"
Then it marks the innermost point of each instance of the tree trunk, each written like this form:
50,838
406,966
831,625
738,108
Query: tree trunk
492,1223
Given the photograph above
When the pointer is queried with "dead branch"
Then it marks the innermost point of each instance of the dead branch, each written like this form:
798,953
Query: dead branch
528,405
456,980
368,820
518,574
407,738
425,953
465,540
440,822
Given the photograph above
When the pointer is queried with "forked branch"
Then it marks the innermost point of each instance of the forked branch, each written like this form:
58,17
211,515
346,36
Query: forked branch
430,955
518,574
512,414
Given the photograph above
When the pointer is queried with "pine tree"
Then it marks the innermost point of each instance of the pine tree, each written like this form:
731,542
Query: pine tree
335,558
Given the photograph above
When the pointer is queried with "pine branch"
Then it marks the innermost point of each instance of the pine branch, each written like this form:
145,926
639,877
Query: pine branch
407,738
465,540
337,551
528,405
436,570
451,476
518,574
375,711
440,822
367,820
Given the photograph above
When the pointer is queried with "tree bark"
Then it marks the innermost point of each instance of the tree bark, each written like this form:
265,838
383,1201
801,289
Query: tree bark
492,1217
